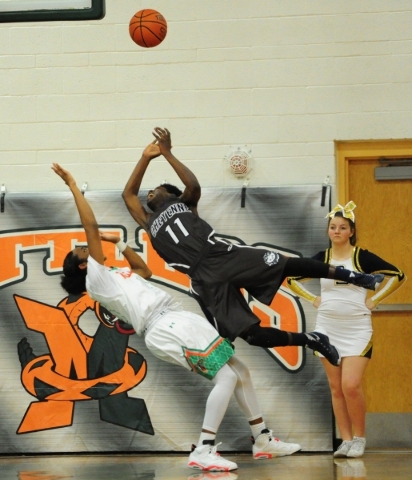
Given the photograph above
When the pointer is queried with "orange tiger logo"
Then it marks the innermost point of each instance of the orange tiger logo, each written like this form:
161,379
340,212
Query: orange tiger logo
79,367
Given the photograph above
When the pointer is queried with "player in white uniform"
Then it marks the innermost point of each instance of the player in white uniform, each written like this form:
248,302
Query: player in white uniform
344,314
172,334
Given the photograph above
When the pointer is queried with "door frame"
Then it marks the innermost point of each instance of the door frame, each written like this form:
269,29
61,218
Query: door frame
350,151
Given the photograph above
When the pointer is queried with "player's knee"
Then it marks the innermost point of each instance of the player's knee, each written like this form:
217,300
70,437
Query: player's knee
226,376
250,334
239,367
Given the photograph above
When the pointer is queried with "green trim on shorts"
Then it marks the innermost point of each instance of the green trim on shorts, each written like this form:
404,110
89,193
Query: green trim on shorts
209,361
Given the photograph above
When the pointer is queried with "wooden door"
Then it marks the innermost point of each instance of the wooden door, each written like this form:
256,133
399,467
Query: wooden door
384,226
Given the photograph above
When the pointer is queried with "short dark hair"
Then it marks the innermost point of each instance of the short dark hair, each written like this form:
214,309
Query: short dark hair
352,226
74,278
172,189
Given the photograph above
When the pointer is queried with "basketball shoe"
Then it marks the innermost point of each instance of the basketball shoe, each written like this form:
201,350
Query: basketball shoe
366,280
319,342
267,446
206,457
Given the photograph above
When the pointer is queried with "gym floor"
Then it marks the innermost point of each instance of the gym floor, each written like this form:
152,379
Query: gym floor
385,465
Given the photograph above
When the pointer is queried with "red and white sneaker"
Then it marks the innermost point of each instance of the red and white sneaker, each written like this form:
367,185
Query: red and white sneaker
267,446
206,457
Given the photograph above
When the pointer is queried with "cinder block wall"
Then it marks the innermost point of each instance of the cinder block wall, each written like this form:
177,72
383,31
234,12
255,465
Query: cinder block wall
286,78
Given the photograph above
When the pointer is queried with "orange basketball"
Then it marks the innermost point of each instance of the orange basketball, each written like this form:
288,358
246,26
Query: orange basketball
148,28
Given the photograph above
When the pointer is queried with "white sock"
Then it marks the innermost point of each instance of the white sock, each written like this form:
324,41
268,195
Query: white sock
206,436
257,429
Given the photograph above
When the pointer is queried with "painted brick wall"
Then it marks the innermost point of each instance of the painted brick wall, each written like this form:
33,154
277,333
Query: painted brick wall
285,77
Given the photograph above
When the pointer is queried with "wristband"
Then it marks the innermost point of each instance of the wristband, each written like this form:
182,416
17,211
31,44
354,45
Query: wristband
121,246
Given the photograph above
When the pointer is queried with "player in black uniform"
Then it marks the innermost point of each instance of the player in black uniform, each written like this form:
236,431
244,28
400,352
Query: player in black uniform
219,269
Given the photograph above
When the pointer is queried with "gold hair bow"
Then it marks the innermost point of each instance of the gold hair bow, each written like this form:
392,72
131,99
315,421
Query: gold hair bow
346,211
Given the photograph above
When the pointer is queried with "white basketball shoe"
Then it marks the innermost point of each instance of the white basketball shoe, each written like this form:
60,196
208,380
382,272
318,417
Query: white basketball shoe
267,446
206,457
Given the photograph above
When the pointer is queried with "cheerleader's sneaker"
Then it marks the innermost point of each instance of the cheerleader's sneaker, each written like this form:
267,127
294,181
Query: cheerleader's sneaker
357,448
343,449
206,457
267,446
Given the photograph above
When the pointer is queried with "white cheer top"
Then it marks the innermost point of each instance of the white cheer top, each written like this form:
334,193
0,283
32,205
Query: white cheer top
340,298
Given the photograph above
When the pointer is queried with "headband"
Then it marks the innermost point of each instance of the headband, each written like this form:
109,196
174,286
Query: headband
346,211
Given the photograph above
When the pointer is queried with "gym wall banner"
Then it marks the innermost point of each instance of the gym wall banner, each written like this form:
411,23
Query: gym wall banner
70,382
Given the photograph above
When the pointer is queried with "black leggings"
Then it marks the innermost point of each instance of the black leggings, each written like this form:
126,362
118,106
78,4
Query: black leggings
268,337
307,267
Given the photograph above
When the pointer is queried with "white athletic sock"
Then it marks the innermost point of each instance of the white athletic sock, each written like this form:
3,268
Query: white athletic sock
257,429
206,436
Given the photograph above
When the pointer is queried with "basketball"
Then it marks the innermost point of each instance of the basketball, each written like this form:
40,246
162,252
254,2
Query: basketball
148,28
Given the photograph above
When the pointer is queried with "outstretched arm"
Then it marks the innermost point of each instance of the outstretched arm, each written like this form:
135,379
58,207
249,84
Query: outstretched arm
133,204
136,263
86,214
191,194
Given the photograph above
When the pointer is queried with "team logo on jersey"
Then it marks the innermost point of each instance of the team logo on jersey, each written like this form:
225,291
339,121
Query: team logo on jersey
271,258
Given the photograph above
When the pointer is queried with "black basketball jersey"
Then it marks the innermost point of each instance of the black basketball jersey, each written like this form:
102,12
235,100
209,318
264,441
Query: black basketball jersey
178,235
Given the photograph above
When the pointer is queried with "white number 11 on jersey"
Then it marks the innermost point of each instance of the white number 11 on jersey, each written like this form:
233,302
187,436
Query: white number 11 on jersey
182,228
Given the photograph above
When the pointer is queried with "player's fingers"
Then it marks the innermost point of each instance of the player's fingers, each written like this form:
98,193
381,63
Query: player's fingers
160,131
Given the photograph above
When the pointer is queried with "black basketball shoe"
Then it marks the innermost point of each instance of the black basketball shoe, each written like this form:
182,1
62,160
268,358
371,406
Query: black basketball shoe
366,280
320,343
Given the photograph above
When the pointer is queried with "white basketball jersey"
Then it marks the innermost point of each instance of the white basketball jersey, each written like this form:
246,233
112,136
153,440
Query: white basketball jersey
126,295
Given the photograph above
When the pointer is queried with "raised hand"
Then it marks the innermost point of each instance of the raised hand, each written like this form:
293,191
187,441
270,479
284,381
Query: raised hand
64,174
152,150
163,138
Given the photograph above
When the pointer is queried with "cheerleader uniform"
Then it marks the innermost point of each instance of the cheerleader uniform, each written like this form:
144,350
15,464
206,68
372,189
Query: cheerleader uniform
343,315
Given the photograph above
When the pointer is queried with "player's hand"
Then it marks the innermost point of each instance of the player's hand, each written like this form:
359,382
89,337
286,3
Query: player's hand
317,302
163,138
152,150
64,174
109,237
